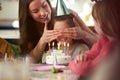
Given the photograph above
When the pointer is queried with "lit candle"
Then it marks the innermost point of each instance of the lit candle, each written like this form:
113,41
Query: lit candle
52,46
5,57
49,48
68,48
64,48
58,45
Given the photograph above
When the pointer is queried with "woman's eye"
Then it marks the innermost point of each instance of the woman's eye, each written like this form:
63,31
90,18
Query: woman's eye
44,5
35,11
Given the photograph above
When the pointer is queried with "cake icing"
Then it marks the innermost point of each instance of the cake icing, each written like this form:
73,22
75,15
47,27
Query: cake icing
58,57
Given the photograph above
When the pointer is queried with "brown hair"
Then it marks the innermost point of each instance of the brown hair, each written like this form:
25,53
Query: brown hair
68,18
29,35
107,12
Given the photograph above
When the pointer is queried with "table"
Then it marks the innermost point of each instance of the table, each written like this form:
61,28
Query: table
48,75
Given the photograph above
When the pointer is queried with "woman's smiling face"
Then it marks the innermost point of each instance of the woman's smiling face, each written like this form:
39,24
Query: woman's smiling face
40,10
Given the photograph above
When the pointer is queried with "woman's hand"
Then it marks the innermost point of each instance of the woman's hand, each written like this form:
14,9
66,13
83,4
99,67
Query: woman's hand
49,35
80,58
79,32
74,32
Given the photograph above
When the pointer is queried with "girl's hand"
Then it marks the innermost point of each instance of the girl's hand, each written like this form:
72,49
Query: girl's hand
49,35
80,58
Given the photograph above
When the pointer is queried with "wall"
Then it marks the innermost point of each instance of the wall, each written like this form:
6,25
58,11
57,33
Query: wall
9,13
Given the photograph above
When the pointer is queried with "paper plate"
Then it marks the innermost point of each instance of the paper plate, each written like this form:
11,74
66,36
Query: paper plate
47,67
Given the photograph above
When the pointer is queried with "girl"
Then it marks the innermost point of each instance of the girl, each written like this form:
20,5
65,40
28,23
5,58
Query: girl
107,22
75,46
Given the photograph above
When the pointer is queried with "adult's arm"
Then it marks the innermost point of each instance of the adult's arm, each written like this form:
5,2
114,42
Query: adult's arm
87,34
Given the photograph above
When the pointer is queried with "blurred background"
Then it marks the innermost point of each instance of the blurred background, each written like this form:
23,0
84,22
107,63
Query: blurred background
9,28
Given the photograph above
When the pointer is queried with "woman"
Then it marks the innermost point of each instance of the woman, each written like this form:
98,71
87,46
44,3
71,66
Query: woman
35,21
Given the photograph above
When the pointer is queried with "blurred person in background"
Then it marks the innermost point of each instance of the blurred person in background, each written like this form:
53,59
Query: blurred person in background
5,48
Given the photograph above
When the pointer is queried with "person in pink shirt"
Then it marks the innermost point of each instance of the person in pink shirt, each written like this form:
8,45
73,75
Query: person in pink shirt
107,24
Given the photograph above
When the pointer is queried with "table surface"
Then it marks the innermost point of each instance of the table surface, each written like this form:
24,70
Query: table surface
48,75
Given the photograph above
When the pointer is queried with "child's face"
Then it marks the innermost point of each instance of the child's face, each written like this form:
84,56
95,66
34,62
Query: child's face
61,25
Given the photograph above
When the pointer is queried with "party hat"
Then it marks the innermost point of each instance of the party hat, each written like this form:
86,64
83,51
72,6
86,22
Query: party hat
61,8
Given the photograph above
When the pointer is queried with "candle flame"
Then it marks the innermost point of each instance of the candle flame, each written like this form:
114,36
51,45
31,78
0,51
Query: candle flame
64,43
58,45
68,45
48,44
53,44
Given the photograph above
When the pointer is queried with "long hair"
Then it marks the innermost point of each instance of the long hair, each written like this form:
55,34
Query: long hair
107,13
29,35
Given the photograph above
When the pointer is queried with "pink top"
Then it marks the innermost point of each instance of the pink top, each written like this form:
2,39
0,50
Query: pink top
95,55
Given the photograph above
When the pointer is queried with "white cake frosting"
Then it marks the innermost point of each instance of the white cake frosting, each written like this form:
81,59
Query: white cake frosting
58,57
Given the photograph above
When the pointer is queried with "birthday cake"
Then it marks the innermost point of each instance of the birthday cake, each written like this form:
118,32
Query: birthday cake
58,57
